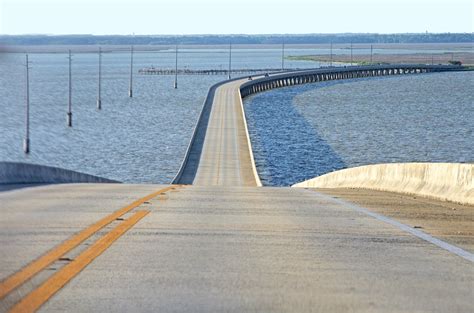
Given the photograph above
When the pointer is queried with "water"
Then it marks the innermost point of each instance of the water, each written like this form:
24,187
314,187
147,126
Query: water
142,139
305,131
138,140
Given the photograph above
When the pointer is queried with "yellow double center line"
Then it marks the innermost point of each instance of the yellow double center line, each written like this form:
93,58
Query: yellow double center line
69,271
40,295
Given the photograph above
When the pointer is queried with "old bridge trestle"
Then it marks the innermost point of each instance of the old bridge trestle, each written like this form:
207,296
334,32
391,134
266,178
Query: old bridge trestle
335,73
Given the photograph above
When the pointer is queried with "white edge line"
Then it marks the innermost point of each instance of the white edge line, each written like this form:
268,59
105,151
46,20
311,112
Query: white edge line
418,233
249,144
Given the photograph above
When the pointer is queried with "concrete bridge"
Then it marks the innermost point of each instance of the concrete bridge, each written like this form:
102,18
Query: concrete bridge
336,73
220,152
215,242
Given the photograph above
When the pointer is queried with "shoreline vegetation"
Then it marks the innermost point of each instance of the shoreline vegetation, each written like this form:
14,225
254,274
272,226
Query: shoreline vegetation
410,48
465,58
262,39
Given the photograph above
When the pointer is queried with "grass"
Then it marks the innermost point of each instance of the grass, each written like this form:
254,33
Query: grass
467,59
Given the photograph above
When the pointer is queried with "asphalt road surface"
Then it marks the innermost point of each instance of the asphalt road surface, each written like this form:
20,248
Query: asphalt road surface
223,249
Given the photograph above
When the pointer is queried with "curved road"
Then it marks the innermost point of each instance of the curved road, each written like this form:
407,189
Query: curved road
220,245
220,152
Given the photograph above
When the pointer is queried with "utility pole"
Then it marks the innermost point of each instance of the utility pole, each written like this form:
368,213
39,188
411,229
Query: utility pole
99,100
371,52
176,68
130,88
351,54
283,55
69,111
230,58
330,57
26,141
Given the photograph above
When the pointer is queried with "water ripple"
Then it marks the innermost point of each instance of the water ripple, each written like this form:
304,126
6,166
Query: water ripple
309,130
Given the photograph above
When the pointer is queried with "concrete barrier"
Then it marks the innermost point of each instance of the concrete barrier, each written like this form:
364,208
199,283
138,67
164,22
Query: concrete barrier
444,181
24,173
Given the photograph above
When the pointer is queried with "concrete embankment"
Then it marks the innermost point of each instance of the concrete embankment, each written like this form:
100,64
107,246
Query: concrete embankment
24,173
444,181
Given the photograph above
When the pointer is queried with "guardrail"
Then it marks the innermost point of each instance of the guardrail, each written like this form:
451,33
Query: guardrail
26,173
443,181
285,79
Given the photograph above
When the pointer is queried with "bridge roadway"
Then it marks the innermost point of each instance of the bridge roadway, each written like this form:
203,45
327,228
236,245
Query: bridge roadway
218,245
226,158
219,153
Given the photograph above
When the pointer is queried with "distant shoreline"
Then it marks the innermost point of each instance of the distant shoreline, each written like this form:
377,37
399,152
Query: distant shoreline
225,39
409,58
458,47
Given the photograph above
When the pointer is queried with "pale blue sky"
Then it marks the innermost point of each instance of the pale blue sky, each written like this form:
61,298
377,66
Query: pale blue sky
233,17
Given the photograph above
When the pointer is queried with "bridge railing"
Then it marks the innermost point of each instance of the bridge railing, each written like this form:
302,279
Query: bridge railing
277,80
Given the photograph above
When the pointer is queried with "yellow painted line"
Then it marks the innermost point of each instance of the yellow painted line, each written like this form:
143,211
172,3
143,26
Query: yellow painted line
40,295
39,264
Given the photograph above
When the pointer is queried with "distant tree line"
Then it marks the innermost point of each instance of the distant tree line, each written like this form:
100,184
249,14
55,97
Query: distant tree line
235,39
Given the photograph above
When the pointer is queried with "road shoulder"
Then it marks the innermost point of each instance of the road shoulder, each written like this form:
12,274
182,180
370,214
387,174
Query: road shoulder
451,222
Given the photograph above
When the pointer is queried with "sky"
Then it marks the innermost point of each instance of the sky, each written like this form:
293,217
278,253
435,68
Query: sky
146,17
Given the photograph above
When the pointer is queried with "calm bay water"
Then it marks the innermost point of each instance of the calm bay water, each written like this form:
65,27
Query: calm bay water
143,139
305,131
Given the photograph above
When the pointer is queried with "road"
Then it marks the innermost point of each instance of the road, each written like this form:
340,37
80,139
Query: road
232,249
226,158
221,244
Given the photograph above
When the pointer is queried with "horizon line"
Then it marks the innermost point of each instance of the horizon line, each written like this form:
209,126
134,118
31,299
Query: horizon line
240,34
